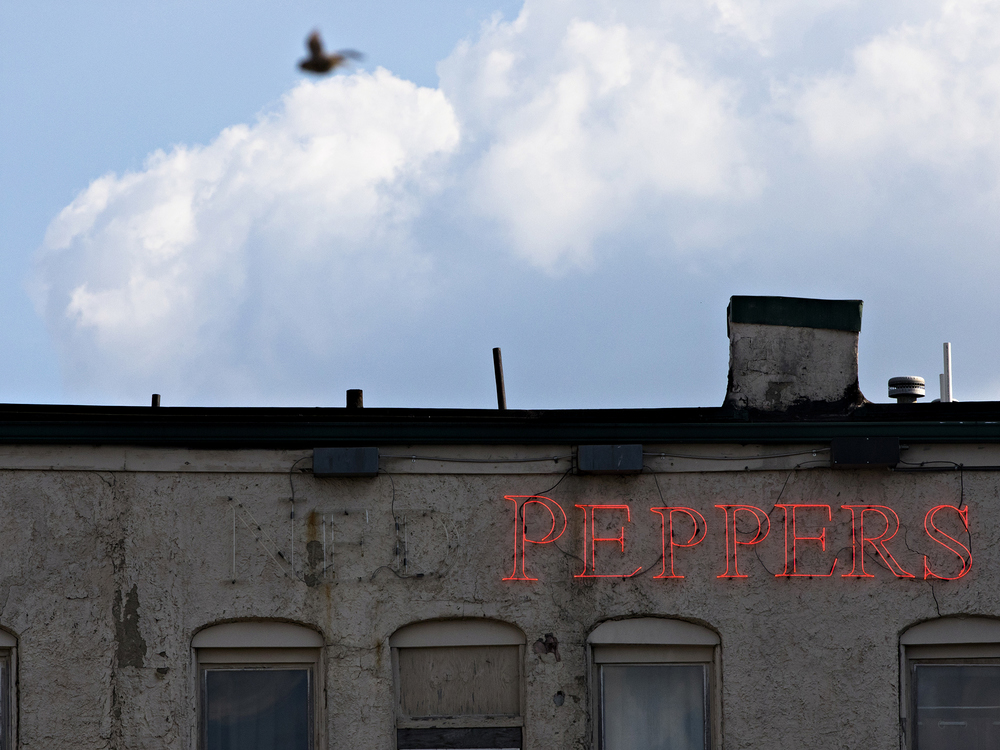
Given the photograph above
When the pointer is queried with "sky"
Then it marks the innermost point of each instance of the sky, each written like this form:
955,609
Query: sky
582,183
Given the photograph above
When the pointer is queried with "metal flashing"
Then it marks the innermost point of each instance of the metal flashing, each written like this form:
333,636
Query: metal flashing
287,428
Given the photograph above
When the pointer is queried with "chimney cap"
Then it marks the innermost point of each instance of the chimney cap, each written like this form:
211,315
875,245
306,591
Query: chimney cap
801,312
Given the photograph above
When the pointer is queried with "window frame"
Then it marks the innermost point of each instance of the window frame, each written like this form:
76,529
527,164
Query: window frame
9,689
261,646
652,641
957,640
450,634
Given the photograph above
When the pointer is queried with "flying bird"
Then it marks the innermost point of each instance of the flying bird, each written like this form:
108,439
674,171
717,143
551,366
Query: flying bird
320,62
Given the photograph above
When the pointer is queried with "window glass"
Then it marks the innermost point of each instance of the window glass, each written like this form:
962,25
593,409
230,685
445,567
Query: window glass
654,706
259,683
956,706
257,709
5,701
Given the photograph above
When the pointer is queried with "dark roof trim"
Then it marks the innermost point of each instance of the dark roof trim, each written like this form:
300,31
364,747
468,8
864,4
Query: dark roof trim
835,314
307,428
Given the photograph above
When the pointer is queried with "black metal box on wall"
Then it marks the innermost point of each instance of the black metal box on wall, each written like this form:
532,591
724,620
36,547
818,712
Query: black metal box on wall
345,462
864,452
609,459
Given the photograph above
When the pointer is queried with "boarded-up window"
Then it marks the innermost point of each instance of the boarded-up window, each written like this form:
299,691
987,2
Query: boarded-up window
458,685
462,681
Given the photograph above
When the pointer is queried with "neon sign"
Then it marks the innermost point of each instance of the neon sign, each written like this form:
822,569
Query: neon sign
521,529
878,543
790,514
759,516
667,515
540,520
589,560
965,558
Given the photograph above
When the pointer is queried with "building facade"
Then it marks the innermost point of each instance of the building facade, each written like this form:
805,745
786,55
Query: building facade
798,568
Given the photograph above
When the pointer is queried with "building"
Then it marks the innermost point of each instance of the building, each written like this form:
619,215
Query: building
798,568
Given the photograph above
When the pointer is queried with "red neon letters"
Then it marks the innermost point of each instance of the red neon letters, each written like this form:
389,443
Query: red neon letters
873,527
697,535
590,540
521,529
732,540
790,514
929,524
858,540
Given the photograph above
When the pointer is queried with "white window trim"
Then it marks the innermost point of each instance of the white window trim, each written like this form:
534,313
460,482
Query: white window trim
270,645
462,632
946,638
655,640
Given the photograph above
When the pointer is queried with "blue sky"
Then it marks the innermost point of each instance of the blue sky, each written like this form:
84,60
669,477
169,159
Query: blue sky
581,183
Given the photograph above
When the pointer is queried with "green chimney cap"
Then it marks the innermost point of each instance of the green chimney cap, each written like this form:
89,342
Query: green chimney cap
835,314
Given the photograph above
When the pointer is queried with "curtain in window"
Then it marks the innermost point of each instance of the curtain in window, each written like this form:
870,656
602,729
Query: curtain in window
654,707
4,702
957,706
257,709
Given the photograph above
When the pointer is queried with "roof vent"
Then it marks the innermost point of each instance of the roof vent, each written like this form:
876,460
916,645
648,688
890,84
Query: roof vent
906,389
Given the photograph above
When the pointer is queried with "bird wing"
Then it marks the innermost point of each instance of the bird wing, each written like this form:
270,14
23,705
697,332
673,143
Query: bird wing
353,54
315,44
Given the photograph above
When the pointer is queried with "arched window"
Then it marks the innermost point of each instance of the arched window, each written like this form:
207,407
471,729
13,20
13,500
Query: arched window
8,690
260,686
656,685
459,684
950,696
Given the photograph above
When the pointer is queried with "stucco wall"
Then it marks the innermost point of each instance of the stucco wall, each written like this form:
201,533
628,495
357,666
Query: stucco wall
107,573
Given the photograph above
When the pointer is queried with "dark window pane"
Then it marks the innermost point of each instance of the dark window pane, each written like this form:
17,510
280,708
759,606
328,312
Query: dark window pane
957,706
654,707
257,709
4,701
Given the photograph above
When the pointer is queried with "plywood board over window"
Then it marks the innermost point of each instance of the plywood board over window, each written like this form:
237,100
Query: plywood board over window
459,685
460,681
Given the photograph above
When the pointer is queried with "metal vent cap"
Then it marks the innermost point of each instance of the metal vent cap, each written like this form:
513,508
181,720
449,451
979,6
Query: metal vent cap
906,389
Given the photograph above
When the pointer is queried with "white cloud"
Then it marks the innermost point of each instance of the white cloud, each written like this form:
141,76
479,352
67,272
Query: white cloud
301,214
584,121
756,21
927,93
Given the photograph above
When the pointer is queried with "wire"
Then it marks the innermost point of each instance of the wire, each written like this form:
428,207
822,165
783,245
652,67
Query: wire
291,483
948,464
481,460
812,451
565,474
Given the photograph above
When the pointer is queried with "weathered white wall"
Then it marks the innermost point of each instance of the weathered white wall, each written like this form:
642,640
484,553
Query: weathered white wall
107,574
774,368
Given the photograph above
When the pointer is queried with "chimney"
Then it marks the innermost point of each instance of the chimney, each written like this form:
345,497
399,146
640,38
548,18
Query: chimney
793,355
